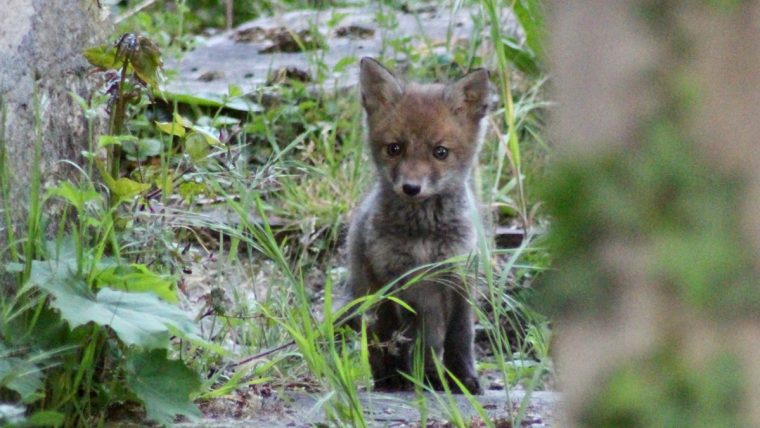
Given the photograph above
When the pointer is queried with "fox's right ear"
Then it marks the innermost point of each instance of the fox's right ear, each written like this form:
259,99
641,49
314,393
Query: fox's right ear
379,87
469,95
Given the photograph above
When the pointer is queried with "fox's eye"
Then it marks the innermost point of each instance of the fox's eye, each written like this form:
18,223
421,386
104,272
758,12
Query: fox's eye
440,152
393,149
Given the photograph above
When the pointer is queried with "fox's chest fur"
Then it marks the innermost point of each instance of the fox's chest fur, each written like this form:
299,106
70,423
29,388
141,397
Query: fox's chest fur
403,235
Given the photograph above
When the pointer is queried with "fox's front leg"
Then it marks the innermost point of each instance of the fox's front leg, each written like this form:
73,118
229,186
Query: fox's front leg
433,328
459,348
388,352
428,328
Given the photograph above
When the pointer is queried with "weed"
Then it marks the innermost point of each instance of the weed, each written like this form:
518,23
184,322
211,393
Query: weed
81,319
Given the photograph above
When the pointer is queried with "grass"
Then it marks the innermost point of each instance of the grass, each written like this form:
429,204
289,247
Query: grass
269,268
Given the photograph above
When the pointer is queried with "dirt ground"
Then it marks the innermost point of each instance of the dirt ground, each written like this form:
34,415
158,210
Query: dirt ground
399,409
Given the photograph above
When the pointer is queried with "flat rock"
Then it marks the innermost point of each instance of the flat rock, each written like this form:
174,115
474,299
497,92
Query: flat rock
318,46
399,409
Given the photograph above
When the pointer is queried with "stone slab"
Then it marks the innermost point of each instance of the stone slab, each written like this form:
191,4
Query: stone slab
396,409
263,51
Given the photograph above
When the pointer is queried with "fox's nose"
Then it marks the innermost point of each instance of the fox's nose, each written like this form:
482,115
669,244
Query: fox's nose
411,189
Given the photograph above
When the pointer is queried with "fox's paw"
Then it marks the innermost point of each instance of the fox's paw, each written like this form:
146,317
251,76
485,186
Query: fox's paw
472,384
392,383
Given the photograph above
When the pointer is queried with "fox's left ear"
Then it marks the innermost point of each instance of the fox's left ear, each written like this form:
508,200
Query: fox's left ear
379,87
469,95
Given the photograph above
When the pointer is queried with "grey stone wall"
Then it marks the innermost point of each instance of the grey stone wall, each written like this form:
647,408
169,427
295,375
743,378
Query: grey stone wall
40,47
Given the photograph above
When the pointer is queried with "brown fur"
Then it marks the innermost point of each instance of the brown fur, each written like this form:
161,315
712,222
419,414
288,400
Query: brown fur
394,232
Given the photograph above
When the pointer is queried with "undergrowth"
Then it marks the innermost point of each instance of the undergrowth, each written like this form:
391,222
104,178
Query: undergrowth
209,262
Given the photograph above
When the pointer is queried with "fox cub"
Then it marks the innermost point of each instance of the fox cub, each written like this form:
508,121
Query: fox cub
423,140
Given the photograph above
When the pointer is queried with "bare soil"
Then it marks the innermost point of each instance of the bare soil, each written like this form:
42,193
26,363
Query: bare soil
302,409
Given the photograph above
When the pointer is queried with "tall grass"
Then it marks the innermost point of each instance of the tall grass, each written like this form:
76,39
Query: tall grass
5,174
323,186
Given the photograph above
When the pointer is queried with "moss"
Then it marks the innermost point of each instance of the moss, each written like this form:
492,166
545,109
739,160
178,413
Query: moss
662,391
726,6
661,197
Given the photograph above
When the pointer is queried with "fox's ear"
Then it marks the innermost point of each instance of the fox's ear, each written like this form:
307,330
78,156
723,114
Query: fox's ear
469,95
379,87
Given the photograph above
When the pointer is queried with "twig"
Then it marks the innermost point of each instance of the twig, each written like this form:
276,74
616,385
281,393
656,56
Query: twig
264,353
337,324
126,15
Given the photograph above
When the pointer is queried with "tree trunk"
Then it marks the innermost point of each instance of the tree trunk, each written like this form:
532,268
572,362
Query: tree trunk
655,196
41,65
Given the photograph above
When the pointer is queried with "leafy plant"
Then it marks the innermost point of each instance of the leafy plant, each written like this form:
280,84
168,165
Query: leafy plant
131,66
104,320
83,329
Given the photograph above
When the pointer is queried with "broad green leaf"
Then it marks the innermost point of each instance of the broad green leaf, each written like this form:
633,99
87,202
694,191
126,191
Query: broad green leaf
210,134
182,120
196,146
143,148
163,385
64,265
46,418
14,267
114,140
166,185
103,56
101,165
215,100
125,188
222,120
21,376
171,128
140,319
75,196
188,190
137,318
138,278
150,147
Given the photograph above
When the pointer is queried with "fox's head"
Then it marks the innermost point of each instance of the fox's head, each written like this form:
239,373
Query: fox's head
423,138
